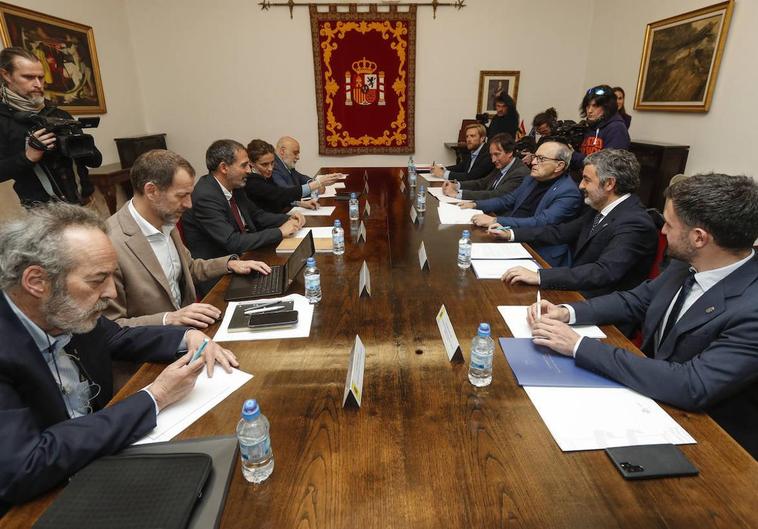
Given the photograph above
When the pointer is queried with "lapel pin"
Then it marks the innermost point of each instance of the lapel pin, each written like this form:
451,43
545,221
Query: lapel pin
709,310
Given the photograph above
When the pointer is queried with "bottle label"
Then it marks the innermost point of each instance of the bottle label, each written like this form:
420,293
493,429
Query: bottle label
338,240
312,282
464,251
256,452
481,361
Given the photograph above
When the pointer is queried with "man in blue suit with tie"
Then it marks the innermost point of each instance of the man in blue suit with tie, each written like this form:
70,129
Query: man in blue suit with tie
699,318
57,269
548,195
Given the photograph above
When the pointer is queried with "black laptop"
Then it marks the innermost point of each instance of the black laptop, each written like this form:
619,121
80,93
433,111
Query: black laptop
257,285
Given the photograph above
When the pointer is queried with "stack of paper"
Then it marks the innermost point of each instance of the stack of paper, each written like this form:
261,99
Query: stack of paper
437,193
498,250
430,178
515,319
495,268
450,214
301,330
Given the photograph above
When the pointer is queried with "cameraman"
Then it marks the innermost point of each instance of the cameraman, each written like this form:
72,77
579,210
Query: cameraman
40,171
606,128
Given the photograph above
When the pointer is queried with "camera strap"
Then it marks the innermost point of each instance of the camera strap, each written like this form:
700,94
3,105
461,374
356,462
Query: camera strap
44,179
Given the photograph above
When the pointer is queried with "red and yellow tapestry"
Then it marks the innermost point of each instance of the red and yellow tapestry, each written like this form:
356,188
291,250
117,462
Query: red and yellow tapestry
364,65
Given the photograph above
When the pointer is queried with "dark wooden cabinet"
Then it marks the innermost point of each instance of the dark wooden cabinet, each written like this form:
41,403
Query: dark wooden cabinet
659,162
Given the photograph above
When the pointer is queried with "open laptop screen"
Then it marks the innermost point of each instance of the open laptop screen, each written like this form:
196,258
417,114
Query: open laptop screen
296,262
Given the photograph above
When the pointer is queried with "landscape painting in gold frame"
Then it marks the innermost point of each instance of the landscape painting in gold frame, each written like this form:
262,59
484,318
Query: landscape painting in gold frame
681,58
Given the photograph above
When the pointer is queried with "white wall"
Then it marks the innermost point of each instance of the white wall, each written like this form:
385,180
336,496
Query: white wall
720,140
125,115
227,69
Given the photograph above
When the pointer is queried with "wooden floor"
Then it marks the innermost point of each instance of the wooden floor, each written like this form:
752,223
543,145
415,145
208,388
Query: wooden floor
427,449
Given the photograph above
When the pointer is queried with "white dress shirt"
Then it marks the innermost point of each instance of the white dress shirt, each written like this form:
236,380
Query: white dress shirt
165,251
228,196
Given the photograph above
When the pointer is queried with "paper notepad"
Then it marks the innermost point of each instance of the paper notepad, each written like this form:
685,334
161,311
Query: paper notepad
495,268
499,250
450,214
437,193
515,319
323,211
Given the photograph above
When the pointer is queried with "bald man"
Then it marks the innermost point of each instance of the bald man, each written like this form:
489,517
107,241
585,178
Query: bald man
285,174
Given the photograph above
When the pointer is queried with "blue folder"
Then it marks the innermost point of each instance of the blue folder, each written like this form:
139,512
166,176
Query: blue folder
535,365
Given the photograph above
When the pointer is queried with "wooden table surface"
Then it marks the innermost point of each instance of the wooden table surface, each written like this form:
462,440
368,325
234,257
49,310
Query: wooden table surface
427,449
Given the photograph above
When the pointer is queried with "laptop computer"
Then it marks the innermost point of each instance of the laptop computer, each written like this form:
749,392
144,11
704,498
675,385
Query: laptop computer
257,285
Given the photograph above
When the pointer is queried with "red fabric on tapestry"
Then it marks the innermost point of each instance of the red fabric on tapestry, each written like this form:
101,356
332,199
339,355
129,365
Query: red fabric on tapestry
364,66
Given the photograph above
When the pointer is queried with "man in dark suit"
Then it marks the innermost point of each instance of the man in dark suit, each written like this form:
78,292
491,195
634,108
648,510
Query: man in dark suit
548,195
612,244
508,173
55,357
699,318
285,174
475,163
222,219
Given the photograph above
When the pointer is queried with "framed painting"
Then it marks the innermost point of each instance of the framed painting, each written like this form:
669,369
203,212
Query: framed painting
491,84
681,58
68,55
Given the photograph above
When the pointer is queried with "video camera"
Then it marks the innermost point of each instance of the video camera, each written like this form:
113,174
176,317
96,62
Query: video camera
71,141
570,132
525,145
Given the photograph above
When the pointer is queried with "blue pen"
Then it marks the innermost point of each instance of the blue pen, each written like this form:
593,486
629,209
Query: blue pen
199,350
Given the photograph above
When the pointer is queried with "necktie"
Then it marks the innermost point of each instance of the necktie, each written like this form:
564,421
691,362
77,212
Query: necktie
674,314
471,163
496,182
236,213
596,222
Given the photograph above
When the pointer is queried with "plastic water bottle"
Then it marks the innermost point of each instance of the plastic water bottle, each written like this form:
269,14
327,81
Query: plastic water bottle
312,281
338,238
464,250
255,443
482,350
411,172
314,194
353,207
421,199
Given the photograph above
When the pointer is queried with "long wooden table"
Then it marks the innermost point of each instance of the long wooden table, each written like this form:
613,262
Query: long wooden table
427,449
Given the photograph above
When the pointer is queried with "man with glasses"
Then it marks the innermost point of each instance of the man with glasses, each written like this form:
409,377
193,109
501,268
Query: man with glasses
547,196
507,175
606,128
56,278
612,244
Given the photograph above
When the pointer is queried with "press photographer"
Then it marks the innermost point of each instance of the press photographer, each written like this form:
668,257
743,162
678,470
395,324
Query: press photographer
42,148
606,128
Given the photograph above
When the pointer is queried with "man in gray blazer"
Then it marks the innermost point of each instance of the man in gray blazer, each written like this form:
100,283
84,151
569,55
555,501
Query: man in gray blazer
156,273
700,317
507,175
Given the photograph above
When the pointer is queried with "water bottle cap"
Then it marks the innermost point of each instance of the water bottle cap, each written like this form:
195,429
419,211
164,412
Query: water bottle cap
484,329
250,409
337,223
466,234
311,261
353,195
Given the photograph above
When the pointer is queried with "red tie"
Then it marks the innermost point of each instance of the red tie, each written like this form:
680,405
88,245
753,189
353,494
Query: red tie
236,213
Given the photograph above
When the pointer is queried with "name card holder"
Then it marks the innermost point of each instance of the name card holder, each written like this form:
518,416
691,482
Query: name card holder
367,210
354,381
423,261
362,232
364,281
449,339
414,215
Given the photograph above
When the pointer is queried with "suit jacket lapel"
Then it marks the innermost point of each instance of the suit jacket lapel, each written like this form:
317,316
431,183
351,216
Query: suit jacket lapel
658,307
143,252
527,191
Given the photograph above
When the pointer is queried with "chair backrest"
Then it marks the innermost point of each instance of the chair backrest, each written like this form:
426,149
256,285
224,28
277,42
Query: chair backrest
660,253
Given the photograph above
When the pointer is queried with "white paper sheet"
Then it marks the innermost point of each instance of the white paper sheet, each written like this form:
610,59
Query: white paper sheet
301,330
499,250
323,211
495,268
206,394
450,214
339,185
320,232
597,418
430,178
437,193
515,319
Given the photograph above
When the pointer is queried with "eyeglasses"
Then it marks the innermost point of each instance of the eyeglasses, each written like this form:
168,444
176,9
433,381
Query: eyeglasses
542,159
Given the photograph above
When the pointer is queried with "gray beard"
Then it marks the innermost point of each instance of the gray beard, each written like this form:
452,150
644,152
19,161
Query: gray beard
63,313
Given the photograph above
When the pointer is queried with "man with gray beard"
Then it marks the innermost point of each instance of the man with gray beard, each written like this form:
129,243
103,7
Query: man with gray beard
56,276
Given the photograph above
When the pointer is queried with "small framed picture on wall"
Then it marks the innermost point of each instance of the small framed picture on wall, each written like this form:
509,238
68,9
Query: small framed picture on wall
491,84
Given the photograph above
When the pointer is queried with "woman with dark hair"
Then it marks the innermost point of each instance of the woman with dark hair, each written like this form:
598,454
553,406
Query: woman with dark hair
262,190
506,118
605,126
620,98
